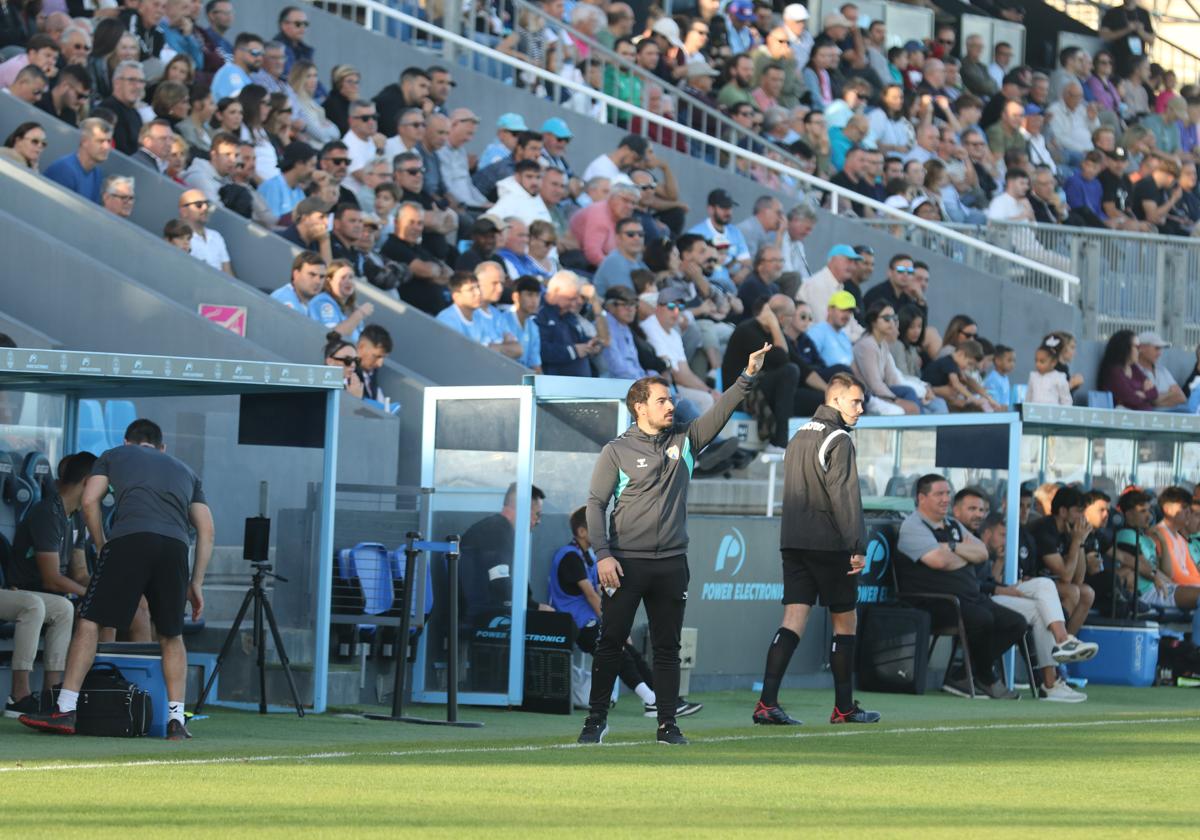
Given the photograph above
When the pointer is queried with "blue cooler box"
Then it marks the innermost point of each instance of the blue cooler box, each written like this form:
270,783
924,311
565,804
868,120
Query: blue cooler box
144,671
1128,653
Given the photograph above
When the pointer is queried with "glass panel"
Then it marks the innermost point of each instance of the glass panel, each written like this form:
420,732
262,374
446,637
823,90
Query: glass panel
1156,463
1066,458
31,445
1031,457
475,463
1189,458
1112,464
876,449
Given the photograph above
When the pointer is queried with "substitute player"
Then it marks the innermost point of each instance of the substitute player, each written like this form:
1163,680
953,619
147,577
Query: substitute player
823,542
144,553
641,548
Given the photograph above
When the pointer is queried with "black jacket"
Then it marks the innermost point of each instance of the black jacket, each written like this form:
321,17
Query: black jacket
822,502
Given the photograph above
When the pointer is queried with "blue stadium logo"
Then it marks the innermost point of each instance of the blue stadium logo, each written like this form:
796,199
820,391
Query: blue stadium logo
879,554
733,547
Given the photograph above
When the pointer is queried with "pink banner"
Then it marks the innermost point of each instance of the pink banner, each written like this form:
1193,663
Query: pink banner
232,318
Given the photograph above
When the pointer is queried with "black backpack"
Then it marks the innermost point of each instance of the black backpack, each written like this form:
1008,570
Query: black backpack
110,705
893,649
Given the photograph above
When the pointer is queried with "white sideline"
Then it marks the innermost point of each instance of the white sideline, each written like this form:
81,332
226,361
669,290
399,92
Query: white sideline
699,741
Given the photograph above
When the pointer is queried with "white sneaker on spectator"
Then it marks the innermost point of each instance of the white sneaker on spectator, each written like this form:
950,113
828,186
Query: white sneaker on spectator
1060,692
1073,650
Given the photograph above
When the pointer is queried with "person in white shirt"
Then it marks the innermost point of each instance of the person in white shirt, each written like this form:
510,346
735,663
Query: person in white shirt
410,131
613,165
519,195
363,141
1013,205
206,245
1002,56
820,287
1149,357
662,331
1071,123
1046,384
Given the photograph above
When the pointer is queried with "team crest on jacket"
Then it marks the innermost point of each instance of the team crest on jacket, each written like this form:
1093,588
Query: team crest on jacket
673,453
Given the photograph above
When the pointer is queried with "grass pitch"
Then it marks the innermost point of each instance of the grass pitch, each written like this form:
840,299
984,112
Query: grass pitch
1121,764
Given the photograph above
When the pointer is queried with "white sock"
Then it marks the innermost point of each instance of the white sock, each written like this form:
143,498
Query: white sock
175,710
645,692
67,700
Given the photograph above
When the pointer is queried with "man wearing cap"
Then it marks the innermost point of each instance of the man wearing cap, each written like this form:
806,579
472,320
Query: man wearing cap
555,137
739,31
1117,189
818,290
455,162
285,190
795,22
735,256
615,269
698,84
619,360
484,238
520,195
662,331
831,336
1037,144
1149,355
507,128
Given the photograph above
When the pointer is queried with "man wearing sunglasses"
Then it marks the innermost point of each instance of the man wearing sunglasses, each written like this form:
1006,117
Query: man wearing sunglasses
616,268
208,246
247,60
896,289
335,159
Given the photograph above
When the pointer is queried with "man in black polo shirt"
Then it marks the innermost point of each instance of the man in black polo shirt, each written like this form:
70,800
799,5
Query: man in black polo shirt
428,286
939,555
775,386
1098,549
894,290
1060,539
1155,196
159,499
853,177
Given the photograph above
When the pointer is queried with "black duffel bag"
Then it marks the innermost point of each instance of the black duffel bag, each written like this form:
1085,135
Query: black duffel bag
110,705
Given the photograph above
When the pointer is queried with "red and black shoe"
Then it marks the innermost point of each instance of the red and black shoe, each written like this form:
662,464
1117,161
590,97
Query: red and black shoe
856,714
773,716
55,722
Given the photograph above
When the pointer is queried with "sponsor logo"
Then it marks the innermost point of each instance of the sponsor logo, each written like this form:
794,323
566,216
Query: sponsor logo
731,556
733,547
673,453
641,463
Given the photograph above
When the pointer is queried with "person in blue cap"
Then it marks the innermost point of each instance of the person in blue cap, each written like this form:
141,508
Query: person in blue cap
507,128
555,137
816,291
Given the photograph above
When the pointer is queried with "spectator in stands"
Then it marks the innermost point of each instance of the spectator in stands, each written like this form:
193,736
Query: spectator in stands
521,321
411,91
1155,196
209,176
71,87
621,359
762,282
364,142
310,227
465,299
831,336
336,306
437,129
662,331
566,350
41,52
176,27
974,72
612,165
875,367
734,256
374,346
407,133
334,161
427,290
1119,373
513,253
1002,54
1127,32
342,354
763,226
484,239
296,167
344,80
80,172
247,60
896,287
1072,121
1074,65
1035,599
736,91
774,396
595,226
949,377
154,145
273,77
308,278
1171,539
316,128
616,267
455,163
345,235
508,126
801,220
1014,88
889,127
1060,539
817,289
196,128
1084,192
178,233
440,83
1005,134
207,245
997,382
408,172
939,555
519,194
1047,385
1150,346
25,145
219,14
117,195
129,83
493,320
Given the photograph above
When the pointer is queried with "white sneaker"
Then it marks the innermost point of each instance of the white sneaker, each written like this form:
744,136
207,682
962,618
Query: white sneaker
1060,692
1073,650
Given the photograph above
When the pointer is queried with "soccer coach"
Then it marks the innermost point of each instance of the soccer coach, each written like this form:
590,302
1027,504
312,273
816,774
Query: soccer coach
823,543
641,549
144,553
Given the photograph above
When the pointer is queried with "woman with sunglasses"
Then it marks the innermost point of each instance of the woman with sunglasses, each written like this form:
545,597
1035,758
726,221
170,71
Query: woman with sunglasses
874,365
25,145
337,305
341,353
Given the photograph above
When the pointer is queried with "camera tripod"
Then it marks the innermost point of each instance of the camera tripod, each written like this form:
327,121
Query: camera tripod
262,608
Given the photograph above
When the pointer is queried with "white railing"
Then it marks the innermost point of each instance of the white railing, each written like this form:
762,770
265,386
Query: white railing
1138,281
1057,282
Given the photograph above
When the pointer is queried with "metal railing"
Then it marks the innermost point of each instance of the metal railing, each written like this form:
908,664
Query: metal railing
1136,281
774,175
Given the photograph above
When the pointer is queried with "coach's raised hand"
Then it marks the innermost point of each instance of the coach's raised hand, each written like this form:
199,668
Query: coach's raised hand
755,362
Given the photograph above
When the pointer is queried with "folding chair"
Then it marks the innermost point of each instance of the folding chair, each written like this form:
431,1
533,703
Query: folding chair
956,631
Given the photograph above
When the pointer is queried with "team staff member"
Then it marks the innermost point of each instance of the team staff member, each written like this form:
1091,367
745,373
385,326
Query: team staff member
641,548
823,541
145,553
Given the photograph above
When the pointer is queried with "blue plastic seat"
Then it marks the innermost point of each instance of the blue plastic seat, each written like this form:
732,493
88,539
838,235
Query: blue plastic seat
93,431
1100,399
369,564
399,561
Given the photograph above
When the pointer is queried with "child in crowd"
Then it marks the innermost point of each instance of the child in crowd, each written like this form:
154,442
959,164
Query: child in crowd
1046,383
177,232
949,375
1063,344
387,198
998,386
